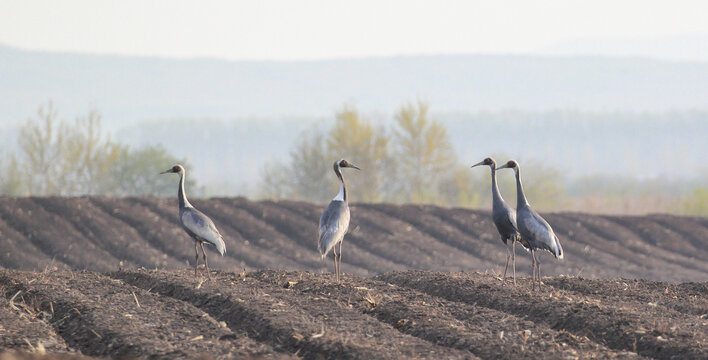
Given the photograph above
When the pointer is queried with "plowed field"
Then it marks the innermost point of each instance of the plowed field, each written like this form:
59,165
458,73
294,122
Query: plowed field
419,282
107,234
287,314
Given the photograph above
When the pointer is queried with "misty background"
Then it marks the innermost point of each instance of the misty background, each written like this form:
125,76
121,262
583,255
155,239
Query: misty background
612,113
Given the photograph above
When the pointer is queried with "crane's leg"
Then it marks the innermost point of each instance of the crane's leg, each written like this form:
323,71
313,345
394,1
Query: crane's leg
508,256
206,264
196,258
513,259
538,269
533,271
339,268
334,256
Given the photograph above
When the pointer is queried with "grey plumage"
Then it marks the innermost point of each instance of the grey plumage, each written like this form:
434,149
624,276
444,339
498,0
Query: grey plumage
533,228
199,226
504,218
334,221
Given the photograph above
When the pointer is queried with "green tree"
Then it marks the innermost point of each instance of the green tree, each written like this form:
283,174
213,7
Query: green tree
355,139
461,187
11,182
275,181
696,203
136,173
58,159
543,185
423,152
309,168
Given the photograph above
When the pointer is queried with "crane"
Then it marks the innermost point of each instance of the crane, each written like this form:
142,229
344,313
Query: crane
195,223
504,218
334,221
532,227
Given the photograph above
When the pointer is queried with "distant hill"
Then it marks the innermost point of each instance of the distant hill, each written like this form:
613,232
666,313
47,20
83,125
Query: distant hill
129,89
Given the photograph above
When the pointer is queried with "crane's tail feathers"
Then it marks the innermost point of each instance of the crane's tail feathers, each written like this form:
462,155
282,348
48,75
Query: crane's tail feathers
524,244
559,248
220,246
323,252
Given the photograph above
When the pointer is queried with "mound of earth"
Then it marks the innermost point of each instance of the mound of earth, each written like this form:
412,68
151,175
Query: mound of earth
108,234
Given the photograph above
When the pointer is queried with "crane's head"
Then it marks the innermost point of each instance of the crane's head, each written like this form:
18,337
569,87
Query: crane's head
175,169
343,163
511,164
488,161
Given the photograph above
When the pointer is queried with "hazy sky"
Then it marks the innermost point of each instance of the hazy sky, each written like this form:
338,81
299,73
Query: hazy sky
288,29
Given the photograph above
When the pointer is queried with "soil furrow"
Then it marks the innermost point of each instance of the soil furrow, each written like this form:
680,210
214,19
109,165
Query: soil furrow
107,232
434,226
18,252
105,317
22,328
264,239
632,248
487,333
185,242
617,328
310,327
149,225
299,230
648,237
613,257
57,238
405,241
638,292
690,231
247,256
160,233
360,252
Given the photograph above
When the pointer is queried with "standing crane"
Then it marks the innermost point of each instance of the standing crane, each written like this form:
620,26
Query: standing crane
532,227
334,221
504,218
196,224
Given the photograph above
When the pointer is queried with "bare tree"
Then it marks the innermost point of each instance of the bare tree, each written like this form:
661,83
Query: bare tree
43,145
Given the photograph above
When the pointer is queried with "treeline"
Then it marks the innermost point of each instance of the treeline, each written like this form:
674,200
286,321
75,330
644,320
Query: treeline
413,161
410,160
56,157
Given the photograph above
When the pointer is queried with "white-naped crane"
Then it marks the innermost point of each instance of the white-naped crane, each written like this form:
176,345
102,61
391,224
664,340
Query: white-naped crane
533,228
334,221
504,217
196,224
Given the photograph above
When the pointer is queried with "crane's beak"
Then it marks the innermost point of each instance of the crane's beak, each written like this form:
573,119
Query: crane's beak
353,166
166,171
503,167
478,164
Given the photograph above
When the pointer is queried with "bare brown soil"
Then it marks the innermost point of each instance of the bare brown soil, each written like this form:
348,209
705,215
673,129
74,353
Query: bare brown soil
105,234
419,282
290,314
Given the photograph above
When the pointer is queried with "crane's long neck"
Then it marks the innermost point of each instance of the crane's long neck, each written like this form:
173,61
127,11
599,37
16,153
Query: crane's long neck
496,195
183,202
342,195
520,196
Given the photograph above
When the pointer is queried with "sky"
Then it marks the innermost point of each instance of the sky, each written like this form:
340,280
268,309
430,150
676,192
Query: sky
327,29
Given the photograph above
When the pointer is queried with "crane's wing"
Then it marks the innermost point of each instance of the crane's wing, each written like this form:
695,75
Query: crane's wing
505,220
541,233
202,226
334,223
